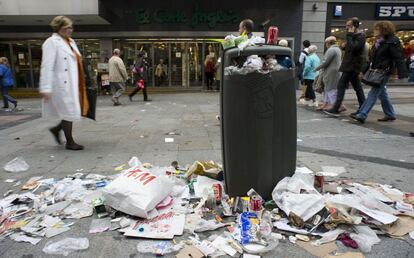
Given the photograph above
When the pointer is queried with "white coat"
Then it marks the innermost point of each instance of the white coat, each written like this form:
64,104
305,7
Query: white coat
59,77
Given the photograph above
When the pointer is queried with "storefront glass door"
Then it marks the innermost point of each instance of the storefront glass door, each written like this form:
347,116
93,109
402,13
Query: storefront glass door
21,62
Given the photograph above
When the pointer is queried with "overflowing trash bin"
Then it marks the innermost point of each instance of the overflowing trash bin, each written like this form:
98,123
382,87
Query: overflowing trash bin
258,119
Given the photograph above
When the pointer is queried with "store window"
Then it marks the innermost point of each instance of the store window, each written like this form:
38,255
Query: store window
171,63
36,57
21,64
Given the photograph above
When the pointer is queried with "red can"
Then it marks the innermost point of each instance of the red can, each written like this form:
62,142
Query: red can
318,183
218,192
255,203
272,35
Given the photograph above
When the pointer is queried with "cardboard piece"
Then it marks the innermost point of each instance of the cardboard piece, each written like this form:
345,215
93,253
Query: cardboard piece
401,227
164,226
190,251
319,251
347,255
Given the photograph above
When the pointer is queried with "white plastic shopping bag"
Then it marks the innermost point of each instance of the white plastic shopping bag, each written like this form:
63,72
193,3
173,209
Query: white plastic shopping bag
137,191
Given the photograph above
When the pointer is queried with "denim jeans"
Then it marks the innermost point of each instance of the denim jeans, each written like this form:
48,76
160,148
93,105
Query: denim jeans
6,97
411,77
373,95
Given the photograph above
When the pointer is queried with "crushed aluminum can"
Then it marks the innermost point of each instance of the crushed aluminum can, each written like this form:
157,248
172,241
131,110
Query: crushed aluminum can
218,192
319,181
255,203
272,35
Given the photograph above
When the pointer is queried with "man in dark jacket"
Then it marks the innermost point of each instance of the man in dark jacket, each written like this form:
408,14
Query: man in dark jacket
351,66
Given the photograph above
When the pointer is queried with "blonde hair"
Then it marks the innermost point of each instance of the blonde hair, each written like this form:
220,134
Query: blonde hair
59,22
283,43
4,60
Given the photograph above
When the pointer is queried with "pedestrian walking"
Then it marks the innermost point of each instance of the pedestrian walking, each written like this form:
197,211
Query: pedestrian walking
386,54
6,82
284,61
161,71
299,66
209,69
62,81
117,76
246,28
330,75
309,73
411,65
351,67
140,76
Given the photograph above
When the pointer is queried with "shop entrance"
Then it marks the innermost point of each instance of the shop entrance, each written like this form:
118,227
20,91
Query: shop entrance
172,63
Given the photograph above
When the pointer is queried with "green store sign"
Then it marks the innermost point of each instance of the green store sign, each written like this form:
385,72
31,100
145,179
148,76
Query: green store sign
197,17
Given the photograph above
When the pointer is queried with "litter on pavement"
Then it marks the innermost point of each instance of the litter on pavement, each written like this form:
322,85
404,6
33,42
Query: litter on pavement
311,210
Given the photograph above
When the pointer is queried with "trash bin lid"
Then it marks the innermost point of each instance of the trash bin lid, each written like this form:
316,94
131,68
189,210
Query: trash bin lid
255,50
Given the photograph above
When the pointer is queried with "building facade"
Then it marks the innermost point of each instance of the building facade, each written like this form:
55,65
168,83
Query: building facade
180,34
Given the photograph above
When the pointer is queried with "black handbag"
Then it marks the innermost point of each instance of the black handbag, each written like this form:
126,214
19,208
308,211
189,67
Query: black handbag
374,77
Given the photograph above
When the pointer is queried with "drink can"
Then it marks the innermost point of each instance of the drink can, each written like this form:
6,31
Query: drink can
255,203
272,35
218,192
318,183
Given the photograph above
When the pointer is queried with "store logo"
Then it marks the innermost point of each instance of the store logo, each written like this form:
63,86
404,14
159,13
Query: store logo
196,18
396,12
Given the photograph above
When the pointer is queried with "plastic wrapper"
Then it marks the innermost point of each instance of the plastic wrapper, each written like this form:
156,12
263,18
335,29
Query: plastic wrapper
134,162
16,165
78,210
329,236
249,228
66,246
365,237
100,225
158,247
206,168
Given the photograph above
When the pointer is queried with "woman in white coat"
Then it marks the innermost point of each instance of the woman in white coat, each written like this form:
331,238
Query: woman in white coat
62,81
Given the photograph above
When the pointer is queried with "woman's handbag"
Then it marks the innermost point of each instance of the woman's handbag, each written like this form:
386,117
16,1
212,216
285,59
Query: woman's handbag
374,77
318,85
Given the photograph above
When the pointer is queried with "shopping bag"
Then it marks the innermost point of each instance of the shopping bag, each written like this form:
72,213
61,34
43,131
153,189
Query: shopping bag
136,192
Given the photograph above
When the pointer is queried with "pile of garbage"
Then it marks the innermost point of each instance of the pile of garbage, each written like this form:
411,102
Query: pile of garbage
149,202
241,41
255,63
252,63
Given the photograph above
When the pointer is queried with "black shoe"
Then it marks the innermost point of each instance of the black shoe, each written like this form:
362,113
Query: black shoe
130,98
56,135
357,118
74,146
331,112
386,119
353,114
15,104
117,104
412,134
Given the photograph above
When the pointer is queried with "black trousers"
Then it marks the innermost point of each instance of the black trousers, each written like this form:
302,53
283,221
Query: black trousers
346,78
135,91
309,93
210,80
